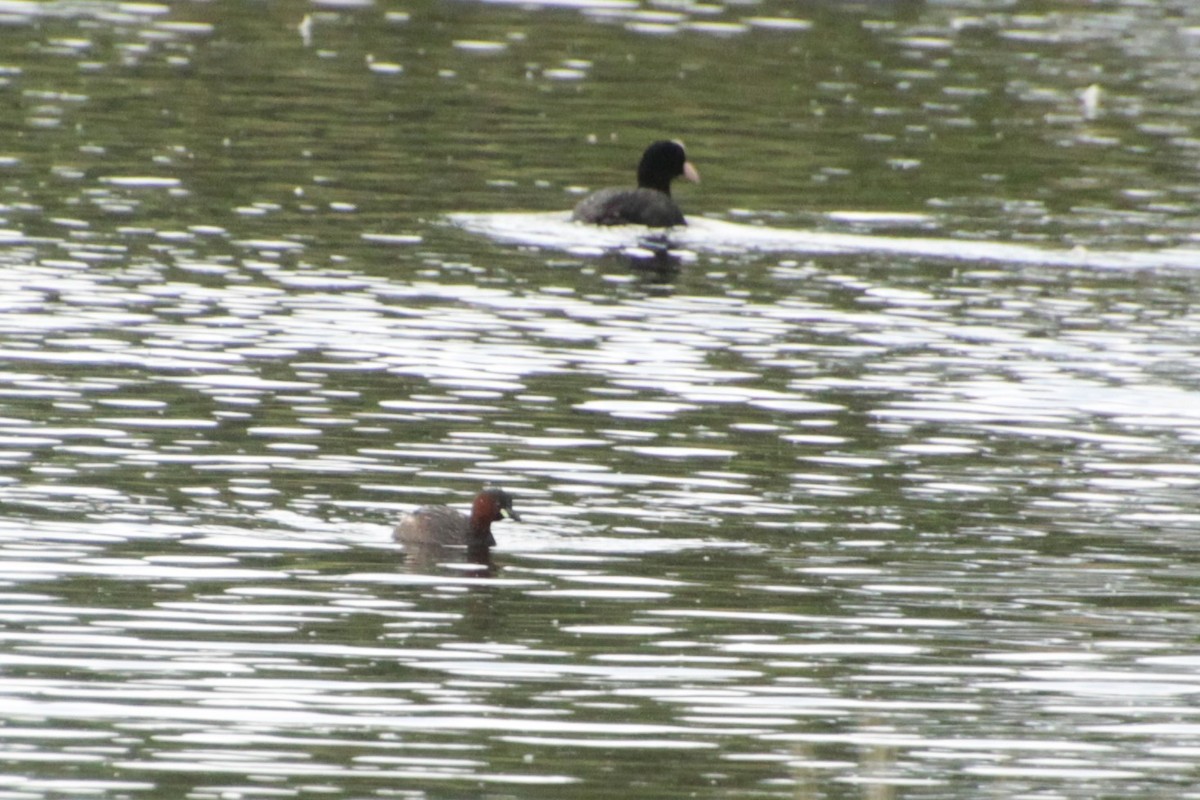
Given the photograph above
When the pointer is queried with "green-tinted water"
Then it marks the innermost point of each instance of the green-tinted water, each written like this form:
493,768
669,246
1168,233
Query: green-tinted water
880,483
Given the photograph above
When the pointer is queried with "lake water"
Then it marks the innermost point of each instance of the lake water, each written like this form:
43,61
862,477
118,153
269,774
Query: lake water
877,481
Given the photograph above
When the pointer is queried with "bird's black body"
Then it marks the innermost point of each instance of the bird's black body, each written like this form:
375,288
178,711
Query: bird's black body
650,203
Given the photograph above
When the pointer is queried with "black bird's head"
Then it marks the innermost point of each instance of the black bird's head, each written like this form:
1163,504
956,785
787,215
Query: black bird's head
663,162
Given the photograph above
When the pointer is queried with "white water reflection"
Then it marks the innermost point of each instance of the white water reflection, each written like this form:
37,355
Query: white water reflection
703,235
473,361
829,514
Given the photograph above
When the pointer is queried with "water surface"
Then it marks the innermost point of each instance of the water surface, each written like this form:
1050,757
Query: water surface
879,480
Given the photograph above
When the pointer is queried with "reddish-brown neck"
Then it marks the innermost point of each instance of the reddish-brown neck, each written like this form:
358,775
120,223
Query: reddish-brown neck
484,511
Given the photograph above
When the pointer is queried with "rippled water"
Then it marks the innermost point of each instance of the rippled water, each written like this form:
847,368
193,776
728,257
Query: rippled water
879,480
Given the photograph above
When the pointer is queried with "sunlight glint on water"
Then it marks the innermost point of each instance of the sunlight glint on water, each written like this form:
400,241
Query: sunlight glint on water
880,483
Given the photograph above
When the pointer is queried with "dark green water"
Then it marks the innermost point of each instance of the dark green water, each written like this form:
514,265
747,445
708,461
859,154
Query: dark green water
881,485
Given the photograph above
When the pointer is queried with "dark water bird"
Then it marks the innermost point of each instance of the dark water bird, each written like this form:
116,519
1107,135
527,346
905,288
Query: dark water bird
650,203
440,525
